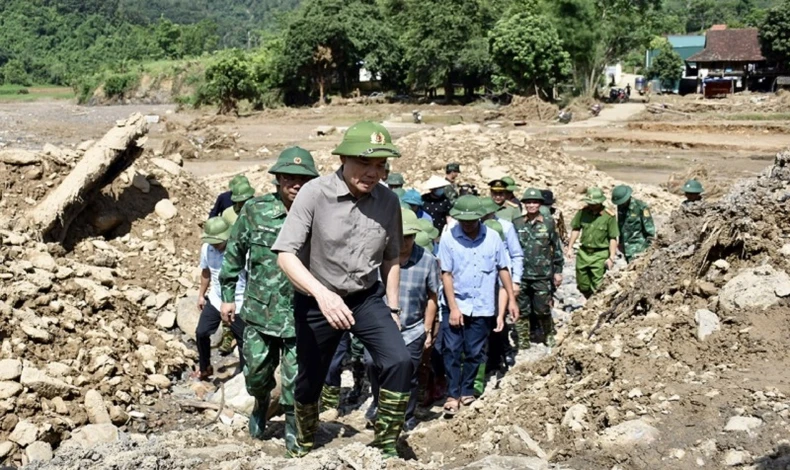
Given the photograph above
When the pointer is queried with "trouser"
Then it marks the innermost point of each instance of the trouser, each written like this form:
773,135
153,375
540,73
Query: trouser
210,319
316,342
534,304
347,344
465,343
262,354
590,269
415,349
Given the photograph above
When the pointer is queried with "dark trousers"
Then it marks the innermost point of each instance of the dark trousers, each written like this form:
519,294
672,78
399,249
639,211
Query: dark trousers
415,349
467,344
336,365
316,342
207,325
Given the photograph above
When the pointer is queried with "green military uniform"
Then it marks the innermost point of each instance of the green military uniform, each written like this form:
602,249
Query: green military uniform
634,222
543,259
270,335
507,211
597,229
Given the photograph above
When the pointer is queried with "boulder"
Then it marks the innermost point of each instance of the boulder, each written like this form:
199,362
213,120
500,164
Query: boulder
25,433
158,381
43,261
44,385
18,157
755,288
9,389
166,320
96,408
92,435
6,447
188,315
707,323
165,209
162,299
734,458
141,182
628,434
96,294
574,418
10,369
39,452
743,424
236,396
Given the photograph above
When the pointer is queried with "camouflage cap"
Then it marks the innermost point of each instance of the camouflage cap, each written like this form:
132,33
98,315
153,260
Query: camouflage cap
533,194
294,161
242,192
395,179
693,187
467,208
452,167
367,139
621,194
216,230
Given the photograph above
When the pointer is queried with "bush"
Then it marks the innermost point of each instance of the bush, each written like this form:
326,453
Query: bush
119,84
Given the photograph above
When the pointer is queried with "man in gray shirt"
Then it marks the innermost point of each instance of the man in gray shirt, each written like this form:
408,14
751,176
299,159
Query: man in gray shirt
343,231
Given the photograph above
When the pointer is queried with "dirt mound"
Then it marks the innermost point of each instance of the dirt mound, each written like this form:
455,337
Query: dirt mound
202,139
530,108
678,362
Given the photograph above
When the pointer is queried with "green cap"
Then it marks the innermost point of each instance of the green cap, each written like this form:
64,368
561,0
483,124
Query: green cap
410,225
451,167
367,139
428,227
511,183
216,230
425,241
294,161
395,178
533,194
242,192
693,187
489,206
467,208
594,196
494,224
621,194
236,180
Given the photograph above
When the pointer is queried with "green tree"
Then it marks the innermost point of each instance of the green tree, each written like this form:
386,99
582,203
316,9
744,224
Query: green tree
667,66
228,81
14,73
527,50
775,34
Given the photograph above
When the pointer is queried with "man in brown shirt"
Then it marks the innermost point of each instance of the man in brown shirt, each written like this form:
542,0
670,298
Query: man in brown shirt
343,233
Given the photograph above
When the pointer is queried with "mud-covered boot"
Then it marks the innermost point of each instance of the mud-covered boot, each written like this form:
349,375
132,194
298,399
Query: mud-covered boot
547,324
330,398
258,417
480,380
290,429
306,417
389,422
226,347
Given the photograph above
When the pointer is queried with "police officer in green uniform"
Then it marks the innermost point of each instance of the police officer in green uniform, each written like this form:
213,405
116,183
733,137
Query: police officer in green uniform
693,191
500,195
634,221
543,263
270,337
599,233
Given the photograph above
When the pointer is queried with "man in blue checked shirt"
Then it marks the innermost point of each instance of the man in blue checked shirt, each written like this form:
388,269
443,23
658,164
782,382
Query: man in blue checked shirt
471,256
419,289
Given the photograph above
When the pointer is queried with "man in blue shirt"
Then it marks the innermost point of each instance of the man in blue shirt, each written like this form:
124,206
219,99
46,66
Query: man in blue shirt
224,200
471,258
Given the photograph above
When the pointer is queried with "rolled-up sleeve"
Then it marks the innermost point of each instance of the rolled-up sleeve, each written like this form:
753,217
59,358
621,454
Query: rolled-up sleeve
299,222
502,258
445,254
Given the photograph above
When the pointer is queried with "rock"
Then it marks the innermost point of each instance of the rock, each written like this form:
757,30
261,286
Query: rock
706,289
44,261
141,182
743,424
92,435
159,381
162,299
39,452
169,166
166,320
97,295
60,406
722,264
501,462
43,384
187,315
236,396
165,209
707,323
106,222
10,369
96,408
629,434
176,158
18,157
755,288
6,447
785,250
324,130
9,389
52,150
733,458
24,434
35,333
136,295
84,146
574,418
118,416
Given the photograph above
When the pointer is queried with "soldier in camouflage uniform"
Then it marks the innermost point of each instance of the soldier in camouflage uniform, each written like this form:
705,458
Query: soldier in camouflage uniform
270,337
634,221
543,263
452,171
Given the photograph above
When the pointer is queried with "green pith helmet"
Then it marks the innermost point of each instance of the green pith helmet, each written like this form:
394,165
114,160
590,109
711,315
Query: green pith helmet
410,225
399,192
242,192
533,194
427,227
216,230
467,208
621,194
693,187
294,161
489,206
594,196
425,241
230,215
395,179
367,139
496,226
511,184
236,180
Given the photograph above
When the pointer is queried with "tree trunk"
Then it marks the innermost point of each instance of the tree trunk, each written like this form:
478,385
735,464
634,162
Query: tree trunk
321,89
100,165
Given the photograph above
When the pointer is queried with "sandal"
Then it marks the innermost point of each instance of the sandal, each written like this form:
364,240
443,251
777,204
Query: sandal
466,401
202,375
451,407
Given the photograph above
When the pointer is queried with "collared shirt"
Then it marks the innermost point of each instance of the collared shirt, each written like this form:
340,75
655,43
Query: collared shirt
211,259
421,214
342,240
475,266
223,202
419,276
514,249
